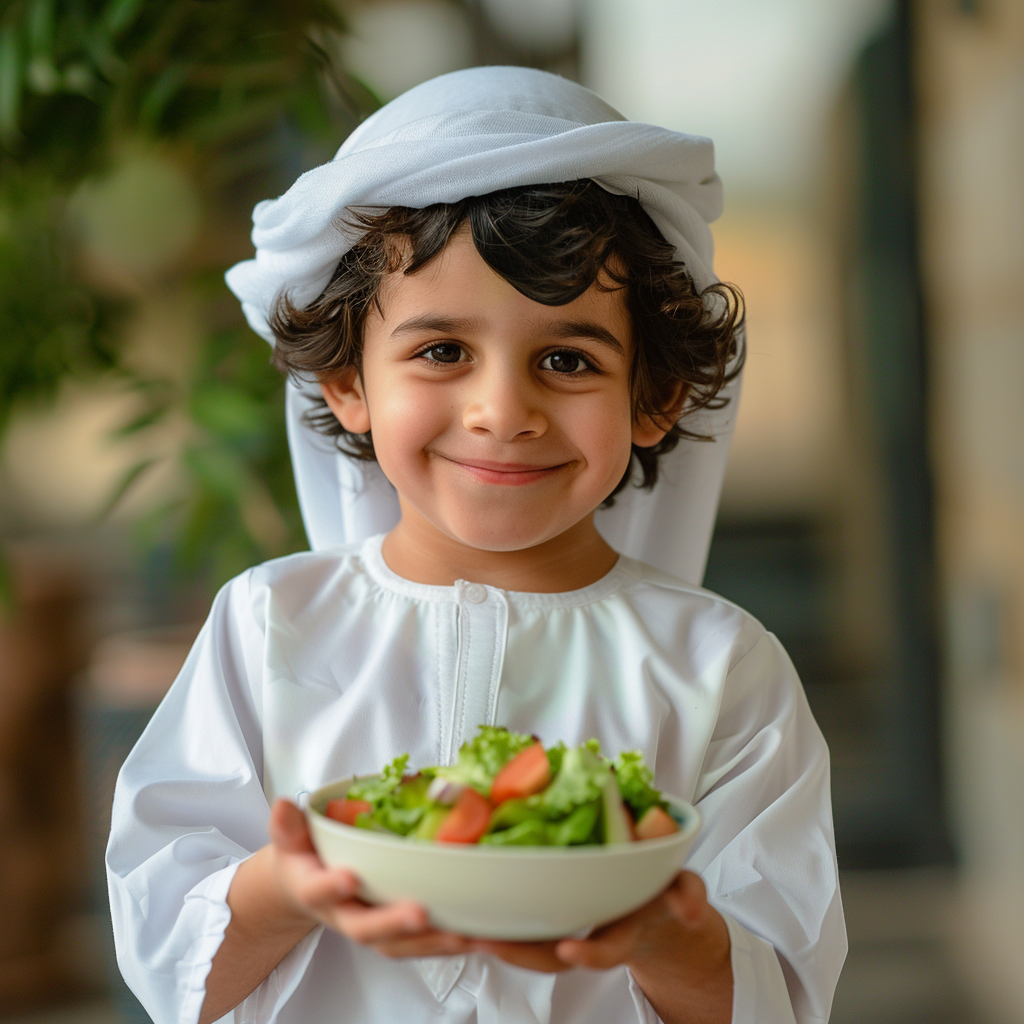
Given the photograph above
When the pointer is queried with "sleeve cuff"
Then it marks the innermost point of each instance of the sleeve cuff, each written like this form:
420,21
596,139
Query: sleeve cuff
759,992
644,1011
264,1004
194,967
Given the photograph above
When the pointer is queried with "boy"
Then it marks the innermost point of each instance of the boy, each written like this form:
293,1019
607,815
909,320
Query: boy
505,356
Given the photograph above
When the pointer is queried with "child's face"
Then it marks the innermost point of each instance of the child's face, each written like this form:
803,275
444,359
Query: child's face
501,422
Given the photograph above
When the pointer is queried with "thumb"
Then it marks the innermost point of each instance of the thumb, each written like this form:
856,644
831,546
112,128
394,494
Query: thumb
288,829
687,898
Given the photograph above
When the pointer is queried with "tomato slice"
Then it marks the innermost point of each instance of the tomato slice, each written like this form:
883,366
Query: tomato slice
346,811
654,824
527,773
468,819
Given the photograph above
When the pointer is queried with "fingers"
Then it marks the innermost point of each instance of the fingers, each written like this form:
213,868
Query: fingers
605,948
428,943
687,898
288,829
534,956
371,925
639,933
614,944
317,888
331,895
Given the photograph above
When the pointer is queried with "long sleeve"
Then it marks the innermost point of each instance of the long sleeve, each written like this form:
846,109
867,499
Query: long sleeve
188,808
320,666
766,851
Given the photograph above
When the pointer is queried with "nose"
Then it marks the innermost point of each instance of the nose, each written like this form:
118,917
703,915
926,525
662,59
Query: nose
504,406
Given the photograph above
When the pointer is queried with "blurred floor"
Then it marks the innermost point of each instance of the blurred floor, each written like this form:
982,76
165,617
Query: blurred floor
101,1012
903,967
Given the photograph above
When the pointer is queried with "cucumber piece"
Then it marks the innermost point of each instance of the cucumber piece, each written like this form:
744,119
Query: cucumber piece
615,821
431,822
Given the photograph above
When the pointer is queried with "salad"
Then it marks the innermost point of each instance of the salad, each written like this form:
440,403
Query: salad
505,789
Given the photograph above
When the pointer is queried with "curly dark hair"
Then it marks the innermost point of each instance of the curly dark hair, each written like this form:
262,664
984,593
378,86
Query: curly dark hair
551,243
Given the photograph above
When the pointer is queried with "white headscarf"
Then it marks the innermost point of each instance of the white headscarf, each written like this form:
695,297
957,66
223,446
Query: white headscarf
469,133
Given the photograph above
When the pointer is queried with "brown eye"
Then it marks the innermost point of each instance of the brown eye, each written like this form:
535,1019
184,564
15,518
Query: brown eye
445,352
564,362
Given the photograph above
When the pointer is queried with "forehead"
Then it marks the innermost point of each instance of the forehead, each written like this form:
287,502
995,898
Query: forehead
459,282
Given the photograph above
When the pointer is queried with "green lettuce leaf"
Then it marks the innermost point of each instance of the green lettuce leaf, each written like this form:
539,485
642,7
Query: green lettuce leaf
579,781
578,828
515,812
529,832
397,806
377,787
482,757
555,755
567,813
636,784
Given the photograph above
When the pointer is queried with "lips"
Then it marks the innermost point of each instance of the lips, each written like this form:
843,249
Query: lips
506,473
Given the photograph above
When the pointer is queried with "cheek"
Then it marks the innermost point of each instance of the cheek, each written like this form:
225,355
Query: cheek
403,420
603,431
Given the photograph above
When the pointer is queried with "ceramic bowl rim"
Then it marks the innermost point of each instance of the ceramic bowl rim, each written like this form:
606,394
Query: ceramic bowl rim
688,828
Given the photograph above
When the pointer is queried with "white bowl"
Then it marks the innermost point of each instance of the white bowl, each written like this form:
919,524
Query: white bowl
520,893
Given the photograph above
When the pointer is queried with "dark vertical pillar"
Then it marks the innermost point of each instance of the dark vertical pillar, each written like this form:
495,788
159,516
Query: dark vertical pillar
894,354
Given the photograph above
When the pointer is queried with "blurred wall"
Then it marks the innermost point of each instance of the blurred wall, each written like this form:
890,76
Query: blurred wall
806,107
762,81
971,88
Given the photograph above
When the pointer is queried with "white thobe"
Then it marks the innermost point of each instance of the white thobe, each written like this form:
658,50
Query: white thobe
319,666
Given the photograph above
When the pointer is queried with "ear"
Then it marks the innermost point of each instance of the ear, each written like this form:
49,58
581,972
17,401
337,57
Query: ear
346,398
649,430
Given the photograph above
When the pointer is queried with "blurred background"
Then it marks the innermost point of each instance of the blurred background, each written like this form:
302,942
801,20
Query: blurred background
873,516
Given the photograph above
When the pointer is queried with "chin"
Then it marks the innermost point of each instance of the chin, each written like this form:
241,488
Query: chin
503,536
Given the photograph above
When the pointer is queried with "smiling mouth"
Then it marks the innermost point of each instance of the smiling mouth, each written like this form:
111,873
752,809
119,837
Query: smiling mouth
507,473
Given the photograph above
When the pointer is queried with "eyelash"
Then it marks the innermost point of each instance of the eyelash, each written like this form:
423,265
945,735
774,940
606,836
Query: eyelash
422,353
588,366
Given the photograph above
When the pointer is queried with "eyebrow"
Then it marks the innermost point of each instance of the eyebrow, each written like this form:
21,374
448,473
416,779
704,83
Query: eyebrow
587,329
561,329
432,322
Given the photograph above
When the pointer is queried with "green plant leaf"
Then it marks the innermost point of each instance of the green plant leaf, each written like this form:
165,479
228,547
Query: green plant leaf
217,470
40,28
145,419
168,83
124,485
11,77
228,411
119,15
239,94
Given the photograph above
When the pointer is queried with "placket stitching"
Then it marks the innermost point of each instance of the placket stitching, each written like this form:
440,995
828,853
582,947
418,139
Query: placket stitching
459,707
497,656
439,688
495,606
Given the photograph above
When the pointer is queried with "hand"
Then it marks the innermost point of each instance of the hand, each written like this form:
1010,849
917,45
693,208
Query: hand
329,896
677,948
281,892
